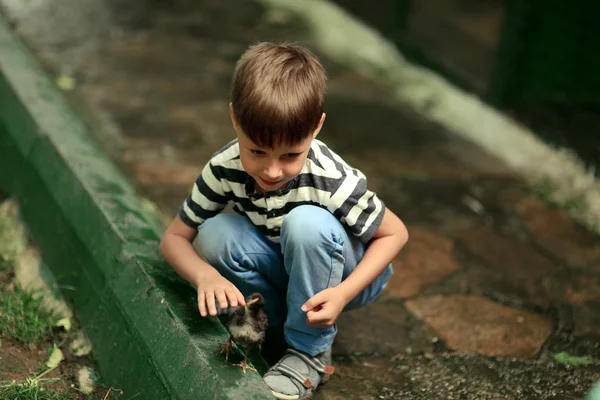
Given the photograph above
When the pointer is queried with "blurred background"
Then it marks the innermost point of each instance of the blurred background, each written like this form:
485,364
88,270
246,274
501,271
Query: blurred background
155,74
536,60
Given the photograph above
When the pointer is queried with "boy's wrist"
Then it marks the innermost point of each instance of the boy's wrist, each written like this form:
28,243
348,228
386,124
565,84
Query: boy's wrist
205,273
345,292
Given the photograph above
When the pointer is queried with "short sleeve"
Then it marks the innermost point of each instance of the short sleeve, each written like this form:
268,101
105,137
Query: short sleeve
206,200
357,208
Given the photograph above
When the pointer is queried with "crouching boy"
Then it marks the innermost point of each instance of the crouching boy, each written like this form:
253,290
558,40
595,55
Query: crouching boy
306,233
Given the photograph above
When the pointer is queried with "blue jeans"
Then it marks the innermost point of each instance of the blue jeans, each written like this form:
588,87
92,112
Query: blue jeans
315,253
594,392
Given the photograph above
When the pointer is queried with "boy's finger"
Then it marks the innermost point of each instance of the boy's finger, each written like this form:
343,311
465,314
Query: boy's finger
312,303
240,297
232,297
313,317
210,302
221,298
321,325
202,304
319,319
308,305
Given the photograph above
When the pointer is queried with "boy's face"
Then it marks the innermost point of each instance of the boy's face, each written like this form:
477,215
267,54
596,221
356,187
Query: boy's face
272,169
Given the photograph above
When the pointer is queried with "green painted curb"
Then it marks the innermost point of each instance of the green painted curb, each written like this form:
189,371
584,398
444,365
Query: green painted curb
88,222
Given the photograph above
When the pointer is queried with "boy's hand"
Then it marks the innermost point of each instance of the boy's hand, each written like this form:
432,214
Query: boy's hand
323,309
214,288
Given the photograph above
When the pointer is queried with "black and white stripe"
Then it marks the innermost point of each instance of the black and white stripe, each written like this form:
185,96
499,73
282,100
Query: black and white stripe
326,181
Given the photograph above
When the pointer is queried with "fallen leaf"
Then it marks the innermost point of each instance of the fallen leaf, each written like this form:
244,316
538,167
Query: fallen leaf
64,323
55,357
66,82
81,345
84,378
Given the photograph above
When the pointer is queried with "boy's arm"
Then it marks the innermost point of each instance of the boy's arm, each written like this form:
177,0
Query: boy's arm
176,247
323,309
387,242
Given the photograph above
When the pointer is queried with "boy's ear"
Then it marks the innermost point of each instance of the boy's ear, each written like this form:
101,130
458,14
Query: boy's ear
232,116
319,126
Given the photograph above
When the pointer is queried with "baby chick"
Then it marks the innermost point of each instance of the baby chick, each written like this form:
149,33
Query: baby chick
247,328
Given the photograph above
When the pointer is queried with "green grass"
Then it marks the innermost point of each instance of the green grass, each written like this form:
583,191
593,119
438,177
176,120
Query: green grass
41,389
32,389
567,359
5,264
23,318
12,238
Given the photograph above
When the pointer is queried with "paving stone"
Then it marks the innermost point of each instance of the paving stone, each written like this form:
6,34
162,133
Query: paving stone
160,172
517,266
475,324
425,260
583,288
421,167
377,328
507,254
554,230
478,279
586,319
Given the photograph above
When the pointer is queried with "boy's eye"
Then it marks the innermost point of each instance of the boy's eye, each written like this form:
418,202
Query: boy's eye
292,155
257,152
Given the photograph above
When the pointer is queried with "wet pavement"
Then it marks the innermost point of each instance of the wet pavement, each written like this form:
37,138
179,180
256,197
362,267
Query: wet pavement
493,281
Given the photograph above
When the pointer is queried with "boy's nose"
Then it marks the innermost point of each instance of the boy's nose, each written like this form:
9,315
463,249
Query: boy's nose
272,172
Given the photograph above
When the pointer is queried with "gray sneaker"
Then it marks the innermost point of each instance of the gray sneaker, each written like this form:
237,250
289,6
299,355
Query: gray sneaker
297,375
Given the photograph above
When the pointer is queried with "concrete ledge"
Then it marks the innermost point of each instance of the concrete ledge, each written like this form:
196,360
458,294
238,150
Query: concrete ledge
95,236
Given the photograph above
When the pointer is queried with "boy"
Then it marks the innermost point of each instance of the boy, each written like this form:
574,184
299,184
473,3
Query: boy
307,234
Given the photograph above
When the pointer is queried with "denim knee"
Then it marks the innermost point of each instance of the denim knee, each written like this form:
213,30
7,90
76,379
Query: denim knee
309,225
215,236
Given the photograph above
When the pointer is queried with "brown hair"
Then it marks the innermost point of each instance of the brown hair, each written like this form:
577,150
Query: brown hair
277,93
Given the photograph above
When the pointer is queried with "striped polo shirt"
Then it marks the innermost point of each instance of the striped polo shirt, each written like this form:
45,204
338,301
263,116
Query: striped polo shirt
325,181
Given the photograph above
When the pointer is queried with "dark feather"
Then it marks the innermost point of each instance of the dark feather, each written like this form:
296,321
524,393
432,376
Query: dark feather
248,325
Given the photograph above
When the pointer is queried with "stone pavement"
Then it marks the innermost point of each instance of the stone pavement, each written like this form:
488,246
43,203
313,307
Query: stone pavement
493,281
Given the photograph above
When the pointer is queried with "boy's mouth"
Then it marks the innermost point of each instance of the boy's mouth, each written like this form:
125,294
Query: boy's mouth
269,183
